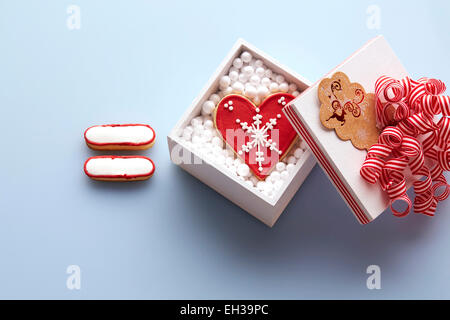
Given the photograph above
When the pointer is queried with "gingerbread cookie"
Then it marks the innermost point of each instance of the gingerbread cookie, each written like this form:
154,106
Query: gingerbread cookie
349,110
120,137
119,168
260,135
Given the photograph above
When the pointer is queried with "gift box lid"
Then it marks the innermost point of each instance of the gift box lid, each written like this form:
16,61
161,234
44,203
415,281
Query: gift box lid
339,157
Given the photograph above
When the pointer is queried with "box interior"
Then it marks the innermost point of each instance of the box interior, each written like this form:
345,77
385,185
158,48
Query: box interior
212,87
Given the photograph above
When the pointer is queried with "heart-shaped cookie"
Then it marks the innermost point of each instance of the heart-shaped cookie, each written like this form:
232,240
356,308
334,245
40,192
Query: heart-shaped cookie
260,135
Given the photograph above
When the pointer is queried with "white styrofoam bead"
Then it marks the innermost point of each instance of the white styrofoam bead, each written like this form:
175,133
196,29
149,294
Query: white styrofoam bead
196,139
254,80
243,170
298,153
248,70
254,180
279,79
291,159
237,63
214,98
246,56
188,129
223,151
248,183
290,167
208,123
260,185
292,87
234,75
278,184
303,145
209,146
232,170
186,135
228,91
207,135
295,93
237,162
284,175
233,69
260,72
265,81
229,161
230,152
258,63
208,107
262,91
268,73
268,194
224,82
257,100
284,87
179,132
280,166
198,129
217,142
196,121
201,149
206,118
268,187
275,175
243,77
225,92
250,91
238,87
273,87
220,159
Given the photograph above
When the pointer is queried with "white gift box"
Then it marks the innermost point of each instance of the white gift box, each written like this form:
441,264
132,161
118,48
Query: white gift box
340,159
267,209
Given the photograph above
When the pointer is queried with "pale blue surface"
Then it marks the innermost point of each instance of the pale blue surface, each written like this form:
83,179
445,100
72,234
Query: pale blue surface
173,237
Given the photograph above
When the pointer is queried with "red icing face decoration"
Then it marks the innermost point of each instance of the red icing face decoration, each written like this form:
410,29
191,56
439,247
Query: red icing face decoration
261,136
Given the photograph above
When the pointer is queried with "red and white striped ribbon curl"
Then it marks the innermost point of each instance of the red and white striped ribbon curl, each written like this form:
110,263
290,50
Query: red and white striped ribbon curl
413,138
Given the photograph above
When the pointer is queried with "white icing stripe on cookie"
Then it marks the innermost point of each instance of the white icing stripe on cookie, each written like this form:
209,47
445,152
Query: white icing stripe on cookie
119,166
120,134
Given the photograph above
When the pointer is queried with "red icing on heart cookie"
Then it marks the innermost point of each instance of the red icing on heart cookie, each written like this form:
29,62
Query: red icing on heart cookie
262,135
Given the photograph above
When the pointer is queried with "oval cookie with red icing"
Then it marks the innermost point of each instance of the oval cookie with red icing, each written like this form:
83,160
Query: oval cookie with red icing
120,137
119,168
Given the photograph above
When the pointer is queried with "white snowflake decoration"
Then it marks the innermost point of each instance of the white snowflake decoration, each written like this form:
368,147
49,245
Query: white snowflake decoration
259,137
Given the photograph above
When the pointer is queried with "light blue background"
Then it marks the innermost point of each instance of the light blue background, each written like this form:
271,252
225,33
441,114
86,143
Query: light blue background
172,236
